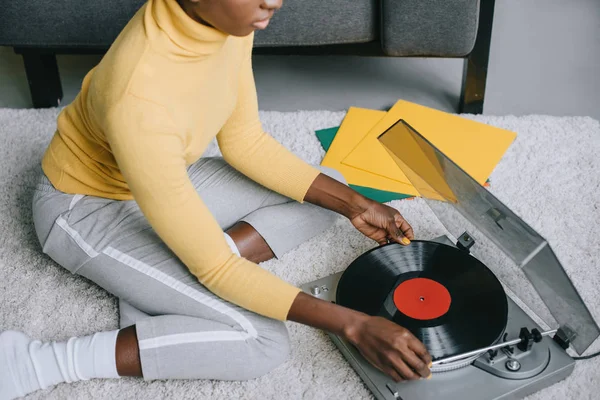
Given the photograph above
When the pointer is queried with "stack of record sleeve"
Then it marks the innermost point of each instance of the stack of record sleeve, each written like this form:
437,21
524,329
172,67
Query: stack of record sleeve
353,149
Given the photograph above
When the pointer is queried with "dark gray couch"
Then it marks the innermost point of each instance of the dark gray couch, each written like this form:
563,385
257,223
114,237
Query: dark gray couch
399,28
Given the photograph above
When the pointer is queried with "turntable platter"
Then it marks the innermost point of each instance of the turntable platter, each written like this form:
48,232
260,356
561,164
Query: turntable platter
448,299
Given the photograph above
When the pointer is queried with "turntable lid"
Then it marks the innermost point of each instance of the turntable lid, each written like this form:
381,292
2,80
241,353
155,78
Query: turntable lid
520,257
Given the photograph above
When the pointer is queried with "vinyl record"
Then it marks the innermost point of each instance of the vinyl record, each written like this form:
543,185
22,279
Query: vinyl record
448,299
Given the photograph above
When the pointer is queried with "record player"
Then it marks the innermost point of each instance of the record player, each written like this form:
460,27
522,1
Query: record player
490,300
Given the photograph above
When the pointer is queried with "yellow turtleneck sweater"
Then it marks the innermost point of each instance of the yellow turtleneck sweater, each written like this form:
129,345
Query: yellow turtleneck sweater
166,87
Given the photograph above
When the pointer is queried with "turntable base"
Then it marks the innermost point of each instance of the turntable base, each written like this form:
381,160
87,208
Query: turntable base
545,364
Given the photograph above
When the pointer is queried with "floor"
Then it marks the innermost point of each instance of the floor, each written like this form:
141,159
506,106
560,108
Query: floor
50,303
545,59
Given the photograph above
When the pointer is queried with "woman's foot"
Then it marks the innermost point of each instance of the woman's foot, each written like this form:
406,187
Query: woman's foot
28,365
17,373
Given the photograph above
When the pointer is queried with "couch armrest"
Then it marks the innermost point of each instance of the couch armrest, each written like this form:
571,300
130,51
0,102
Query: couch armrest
445,28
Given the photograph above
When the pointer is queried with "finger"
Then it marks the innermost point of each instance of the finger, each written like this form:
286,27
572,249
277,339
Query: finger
421,351
380,236
393,232
404,226
396,235
393,374
382,366
416,363
404,370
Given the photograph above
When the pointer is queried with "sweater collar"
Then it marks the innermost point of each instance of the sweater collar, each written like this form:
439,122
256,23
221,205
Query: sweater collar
183,31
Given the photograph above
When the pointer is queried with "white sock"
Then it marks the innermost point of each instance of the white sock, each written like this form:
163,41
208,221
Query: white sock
232,244
28,365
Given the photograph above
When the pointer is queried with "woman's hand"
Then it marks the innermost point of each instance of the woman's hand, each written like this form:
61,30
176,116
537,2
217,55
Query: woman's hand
375,220
386,345
390,348
381,223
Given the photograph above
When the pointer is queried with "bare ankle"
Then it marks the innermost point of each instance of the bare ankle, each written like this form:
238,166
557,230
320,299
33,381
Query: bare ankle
251,245
128,353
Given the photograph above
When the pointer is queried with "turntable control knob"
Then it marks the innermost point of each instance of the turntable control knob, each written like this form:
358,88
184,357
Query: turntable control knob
513,365
315,290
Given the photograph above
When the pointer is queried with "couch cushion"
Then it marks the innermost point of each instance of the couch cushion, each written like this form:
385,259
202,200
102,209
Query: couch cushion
96,24
429,28
316,22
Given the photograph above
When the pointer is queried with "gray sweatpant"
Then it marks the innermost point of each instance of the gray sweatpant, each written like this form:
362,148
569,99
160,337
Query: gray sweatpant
184,330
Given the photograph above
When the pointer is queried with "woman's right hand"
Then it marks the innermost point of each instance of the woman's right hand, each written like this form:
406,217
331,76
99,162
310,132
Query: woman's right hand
386,345
389,347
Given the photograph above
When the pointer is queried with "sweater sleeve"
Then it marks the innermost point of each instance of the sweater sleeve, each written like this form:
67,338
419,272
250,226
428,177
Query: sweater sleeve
150,154
247,148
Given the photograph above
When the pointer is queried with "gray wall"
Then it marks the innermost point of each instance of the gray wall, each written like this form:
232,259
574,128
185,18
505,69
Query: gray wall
545,59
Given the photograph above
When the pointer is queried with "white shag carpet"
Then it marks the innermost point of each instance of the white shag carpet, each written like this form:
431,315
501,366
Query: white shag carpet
549,177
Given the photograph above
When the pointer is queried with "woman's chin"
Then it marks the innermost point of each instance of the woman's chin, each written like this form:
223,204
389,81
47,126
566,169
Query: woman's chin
240,32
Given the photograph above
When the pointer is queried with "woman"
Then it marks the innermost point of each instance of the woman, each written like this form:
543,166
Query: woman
125,201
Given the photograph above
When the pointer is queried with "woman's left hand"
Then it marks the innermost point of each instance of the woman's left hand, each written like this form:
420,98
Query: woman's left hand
382,223
375,220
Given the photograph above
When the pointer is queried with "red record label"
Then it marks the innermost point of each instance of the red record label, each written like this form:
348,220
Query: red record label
422,298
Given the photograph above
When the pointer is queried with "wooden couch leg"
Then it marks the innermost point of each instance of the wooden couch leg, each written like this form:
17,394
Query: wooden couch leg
44,79
476,64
